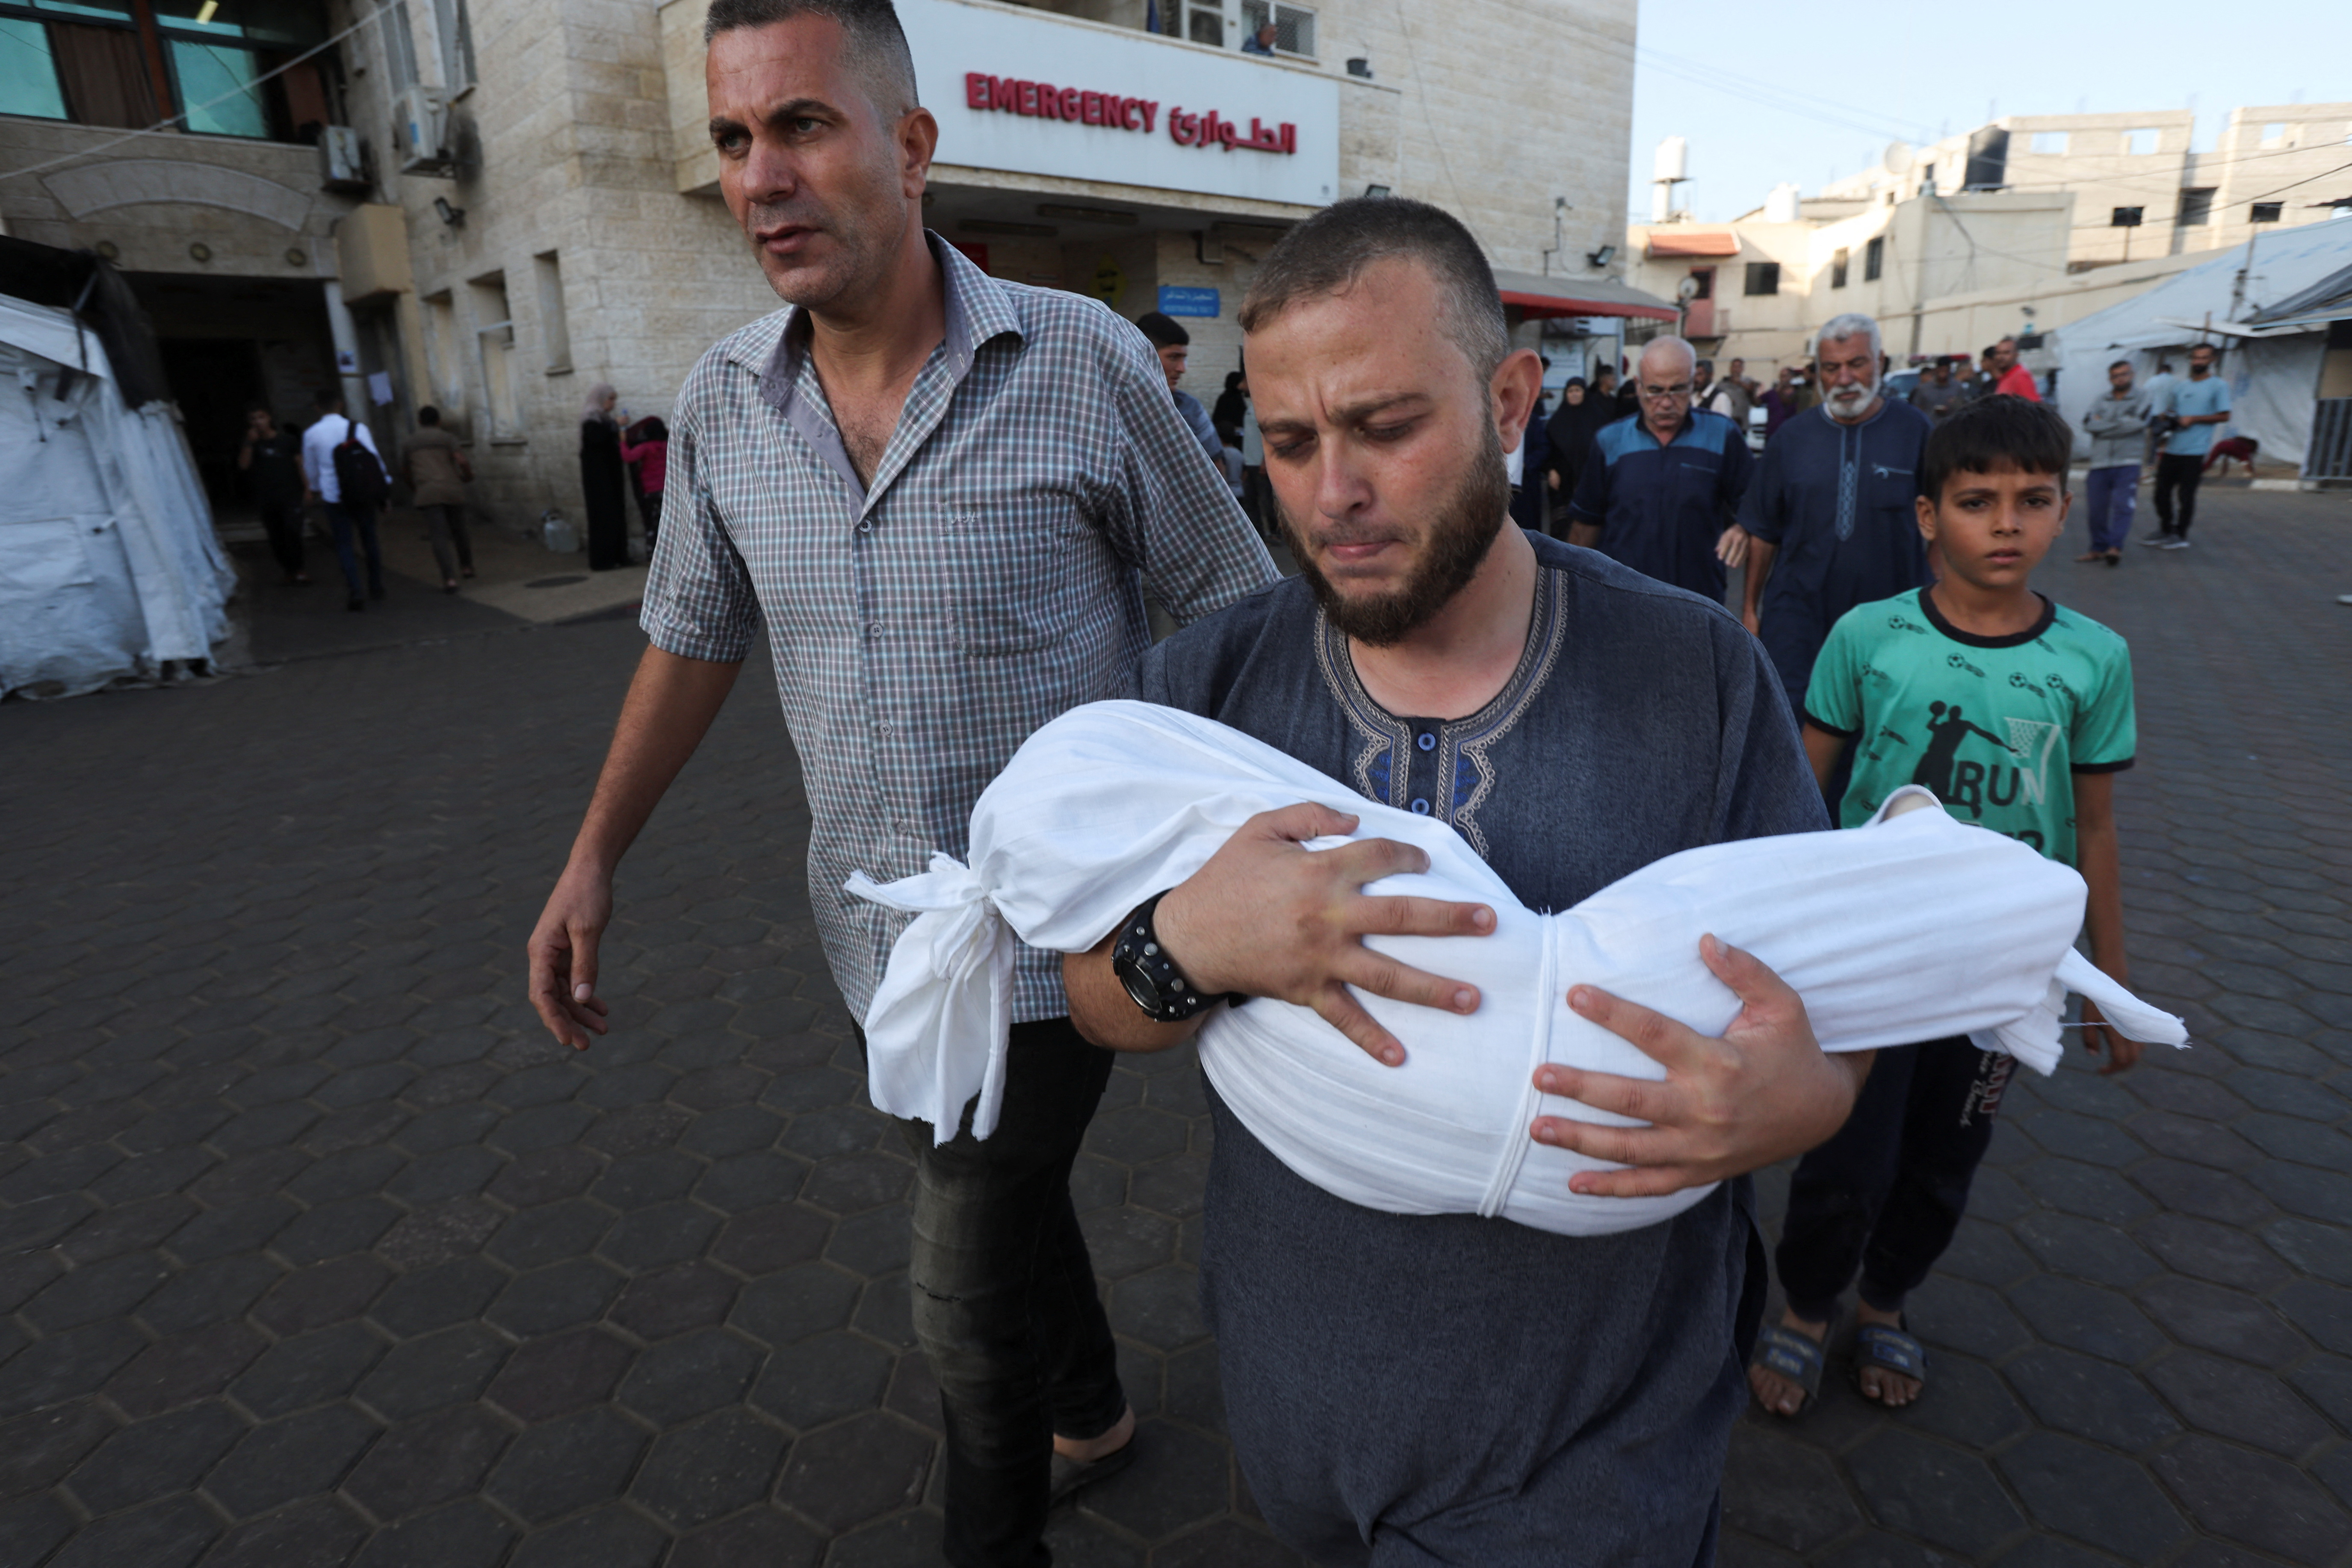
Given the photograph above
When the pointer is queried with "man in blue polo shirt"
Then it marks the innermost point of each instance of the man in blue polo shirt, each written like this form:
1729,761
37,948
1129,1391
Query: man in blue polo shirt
1664,484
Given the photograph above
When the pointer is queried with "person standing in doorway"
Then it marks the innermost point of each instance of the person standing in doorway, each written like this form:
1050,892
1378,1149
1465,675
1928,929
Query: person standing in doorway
603,480
438,474
644,447
344,473
2195,412
942,497
272,458
2117,426
1831,519
1173,345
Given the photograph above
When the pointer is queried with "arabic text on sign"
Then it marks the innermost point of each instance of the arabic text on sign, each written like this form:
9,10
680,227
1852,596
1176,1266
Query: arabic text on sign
1043,101
1210,129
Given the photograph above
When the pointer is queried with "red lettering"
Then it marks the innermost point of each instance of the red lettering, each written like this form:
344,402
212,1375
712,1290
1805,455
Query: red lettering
1151,110
975,89
1091,109
1028,98
1128,107
1289,137
1069,104
1004,94
1177,130
1049,103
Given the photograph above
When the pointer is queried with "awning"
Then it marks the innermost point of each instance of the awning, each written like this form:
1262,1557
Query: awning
1539,299
1692,242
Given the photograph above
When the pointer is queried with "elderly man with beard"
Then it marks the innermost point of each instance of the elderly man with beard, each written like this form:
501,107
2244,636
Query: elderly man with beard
1831,522
938,495
1443,1388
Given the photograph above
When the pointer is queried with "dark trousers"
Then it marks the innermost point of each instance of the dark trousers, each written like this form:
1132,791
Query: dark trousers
448,526
1886,1192
649,508
2177,476
283,521
1004,1298
2111,494
345,520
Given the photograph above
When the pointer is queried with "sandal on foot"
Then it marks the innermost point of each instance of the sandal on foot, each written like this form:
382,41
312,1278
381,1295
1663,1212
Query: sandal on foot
1784,1353
1888,1349
1069,1475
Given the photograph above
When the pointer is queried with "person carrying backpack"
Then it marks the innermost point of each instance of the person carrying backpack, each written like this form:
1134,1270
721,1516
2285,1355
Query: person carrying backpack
340,467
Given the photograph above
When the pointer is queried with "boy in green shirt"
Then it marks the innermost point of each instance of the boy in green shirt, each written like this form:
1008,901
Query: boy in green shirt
2018,714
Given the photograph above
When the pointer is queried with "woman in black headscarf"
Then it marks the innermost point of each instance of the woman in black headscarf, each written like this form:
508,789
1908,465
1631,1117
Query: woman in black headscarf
1571,428
603,480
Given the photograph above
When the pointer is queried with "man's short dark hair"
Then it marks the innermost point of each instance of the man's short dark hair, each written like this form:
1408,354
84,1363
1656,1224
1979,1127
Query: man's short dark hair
1162,331
1330,250
428,414
328,400
2120,364
1990,350
1999,434
875,44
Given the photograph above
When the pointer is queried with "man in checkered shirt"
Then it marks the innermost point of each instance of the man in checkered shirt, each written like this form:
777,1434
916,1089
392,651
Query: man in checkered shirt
941,495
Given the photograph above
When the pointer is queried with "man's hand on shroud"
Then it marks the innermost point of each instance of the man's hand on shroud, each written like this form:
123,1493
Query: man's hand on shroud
1762,1093
1267,918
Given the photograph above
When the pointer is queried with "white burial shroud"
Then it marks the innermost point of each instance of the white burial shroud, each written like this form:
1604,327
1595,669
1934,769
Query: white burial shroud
1914,928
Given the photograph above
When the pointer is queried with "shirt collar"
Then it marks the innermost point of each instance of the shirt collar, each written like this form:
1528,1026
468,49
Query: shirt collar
979,311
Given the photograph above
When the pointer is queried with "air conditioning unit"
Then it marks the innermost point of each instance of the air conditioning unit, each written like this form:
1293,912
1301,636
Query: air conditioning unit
342,160
420,131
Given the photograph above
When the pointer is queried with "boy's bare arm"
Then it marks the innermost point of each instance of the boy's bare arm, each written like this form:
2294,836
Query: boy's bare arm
2099,860
1823,750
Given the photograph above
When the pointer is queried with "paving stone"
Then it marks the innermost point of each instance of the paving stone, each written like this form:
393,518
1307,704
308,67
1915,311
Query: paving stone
609,1538
800,1301
36,1451
284,1461
567,1464
464,1535
2095,1497
855,1471
1972,1407
2227,1400
312,1534
2204,1249
427,1462
307,1370
559,1297
712,1468
686,1377
2089,1398
2211,1318
550,1377
2086,1318
67,1365
2322,1311
767,1239
33,1527
763,1536
821,1379
674,1301
427,1373
2086,1249
167,1534
326,1293
2252,1497
453,1293
658,1236
151,1460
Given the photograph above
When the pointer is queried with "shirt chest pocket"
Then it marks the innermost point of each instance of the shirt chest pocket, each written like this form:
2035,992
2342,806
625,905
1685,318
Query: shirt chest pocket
1015,561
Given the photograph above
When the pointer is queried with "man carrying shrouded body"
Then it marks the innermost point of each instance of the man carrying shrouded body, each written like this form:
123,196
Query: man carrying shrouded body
1831,522
936,493
1443,1388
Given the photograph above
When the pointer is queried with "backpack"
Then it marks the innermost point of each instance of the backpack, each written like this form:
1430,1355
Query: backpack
357,475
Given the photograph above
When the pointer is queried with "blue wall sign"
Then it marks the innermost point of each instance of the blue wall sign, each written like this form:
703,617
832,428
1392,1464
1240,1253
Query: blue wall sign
1176,302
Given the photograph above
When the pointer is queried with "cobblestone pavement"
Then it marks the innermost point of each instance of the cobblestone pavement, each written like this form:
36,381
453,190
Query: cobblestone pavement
313,1250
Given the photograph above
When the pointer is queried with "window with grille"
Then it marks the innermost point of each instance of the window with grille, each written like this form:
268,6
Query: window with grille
1763,277
1294,26
2266,212
1837,269
1874,259
2195,207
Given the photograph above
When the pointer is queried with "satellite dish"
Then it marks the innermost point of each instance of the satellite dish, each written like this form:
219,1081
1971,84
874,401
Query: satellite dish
1896,159
1687,289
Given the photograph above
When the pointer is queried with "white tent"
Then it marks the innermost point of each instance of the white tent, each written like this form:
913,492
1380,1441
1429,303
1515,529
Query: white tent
2272,371
107,563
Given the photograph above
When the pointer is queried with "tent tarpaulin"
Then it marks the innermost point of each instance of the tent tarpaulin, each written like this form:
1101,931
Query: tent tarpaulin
2272,371
108,566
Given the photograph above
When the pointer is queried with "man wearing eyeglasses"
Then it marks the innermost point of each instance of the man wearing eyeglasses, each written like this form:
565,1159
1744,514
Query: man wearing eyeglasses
1665,483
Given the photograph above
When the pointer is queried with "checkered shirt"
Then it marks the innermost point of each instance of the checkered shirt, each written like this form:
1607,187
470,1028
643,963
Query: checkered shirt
991,576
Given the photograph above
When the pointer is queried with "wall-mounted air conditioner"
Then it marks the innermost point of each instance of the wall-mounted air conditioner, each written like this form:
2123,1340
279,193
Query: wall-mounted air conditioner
342,160
420,131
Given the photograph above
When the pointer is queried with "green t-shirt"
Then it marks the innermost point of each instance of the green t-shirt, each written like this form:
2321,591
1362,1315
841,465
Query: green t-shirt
1997,727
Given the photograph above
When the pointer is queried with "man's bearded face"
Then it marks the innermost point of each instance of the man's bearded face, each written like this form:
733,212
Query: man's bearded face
1448,548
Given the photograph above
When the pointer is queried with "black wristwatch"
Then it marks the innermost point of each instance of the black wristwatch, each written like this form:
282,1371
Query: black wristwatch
1149,975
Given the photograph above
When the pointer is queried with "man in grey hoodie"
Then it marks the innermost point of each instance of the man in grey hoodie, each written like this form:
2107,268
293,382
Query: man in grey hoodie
2117,426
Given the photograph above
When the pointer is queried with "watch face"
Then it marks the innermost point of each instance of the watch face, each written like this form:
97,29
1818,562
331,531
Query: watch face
1140,986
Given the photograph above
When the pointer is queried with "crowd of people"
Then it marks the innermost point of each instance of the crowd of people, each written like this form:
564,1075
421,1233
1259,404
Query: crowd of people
942,497
332,471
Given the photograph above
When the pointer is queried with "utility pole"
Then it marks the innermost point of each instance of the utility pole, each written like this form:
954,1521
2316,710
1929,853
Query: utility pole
2238,289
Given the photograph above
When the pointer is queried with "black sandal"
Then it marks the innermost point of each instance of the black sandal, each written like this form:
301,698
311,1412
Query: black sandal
1889,1350
1784,1353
